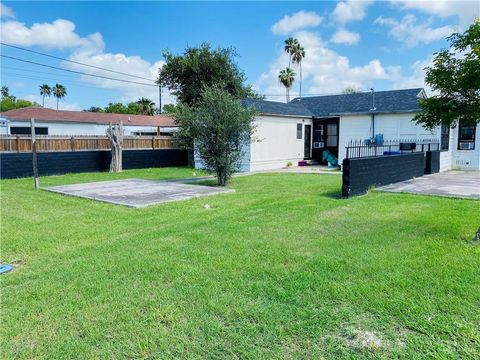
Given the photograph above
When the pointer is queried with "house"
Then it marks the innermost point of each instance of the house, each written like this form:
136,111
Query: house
61,122
305,127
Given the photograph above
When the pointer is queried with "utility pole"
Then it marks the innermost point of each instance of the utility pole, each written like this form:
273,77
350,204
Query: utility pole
34,154
159,99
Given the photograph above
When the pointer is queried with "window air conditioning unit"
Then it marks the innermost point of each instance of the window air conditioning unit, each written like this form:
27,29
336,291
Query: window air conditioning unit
467,146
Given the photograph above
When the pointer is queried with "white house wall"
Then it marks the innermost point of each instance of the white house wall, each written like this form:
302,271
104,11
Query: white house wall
392,126
465,159
277,142
59,128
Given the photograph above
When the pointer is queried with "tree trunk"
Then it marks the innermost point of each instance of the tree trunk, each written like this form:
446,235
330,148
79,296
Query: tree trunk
300,79
115,135
288,94
221,178
57,103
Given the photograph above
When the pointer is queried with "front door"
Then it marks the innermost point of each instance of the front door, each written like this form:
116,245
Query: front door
307,141
325,137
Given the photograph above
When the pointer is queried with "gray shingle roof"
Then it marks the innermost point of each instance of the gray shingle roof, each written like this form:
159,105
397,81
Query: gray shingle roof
390,101
278,108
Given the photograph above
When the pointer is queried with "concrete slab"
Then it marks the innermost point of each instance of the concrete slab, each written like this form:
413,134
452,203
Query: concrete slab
464,184
137,193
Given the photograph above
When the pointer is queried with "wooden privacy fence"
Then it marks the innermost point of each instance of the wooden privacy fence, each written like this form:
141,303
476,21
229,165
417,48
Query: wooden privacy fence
23,143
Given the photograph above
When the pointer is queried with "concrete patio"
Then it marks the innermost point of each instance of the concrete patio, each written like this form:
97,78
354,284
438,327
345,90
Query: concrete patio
137,193
463,184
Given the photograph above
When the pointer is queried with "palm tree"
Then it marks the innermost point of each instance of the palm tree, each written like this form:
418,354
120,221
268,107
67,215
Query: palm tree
291,45
146,106
297,58
5,92
287,77
45,90
59,91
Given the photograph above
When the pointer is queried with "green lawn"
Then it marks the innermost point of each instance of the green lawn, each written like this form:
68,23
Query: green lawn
282,268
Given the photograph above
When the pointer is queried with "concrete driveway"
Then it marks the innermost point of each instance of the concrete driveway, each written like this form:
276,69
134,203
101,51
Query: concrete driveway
464,184
137,193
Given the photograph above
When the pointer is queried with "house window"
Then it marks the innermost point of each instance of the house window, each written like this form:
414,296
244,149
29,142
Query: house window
445,137
466,137
299,131
25,130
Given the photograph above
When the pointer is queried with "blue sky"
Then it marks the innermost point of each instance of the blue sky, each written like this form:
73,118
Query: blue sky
349,43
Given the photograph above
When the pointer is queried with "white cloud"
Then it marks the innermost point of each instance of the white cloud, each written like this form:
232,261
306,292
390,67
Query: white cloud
416,78
52,103
324,71
343,36
6,12
412,33
465,10
120,62
59,34
350,10
297,21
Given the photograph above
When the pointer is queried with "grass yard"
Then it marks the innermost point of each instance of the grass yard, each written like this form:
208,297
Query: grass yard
282,268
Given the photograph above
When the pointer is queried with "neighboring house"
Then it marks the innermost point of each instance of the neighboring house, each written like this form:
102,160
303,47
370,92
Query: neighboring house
60,122
305,127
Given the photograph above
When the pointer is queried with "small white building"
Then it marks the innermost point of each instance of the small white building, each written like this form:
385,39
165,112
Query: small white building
60,122
305,127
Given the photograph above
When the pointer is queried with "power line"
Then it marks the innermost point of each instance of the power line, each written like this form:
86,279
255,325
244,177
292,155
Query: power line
74,62
77,72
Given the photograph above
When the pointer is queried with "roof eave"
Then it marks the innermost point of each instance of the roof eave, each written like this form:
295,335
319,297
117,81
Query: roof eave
285,115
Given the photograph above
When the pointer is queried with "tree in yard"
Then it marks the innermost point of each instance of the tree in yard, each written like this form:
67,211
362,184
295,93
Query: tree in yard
59,91
188,74
146,106
455,79
297,58
115,135
45,90
219,125
287,77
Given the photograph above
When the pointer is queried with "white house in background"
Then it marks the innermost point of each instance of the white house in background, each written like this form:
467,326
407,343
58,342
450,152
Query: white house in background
60,122
305,127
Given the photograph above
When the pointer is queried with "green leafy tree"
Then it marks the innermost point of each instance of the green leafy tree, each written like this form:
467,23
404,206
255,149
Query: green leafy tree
94,109
169,109
455,78
10,103
219,126
59,91
45,90
146,106
350,90
188,74
287,77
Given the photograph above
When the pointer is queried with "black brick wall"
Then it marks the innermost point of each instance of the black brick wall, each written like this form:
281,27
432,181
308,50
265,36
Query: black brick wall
432,162
362,173
14,165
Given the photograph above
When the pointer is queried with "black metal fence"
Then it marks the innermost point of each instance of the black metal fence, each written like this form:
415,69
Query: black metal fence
365,148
